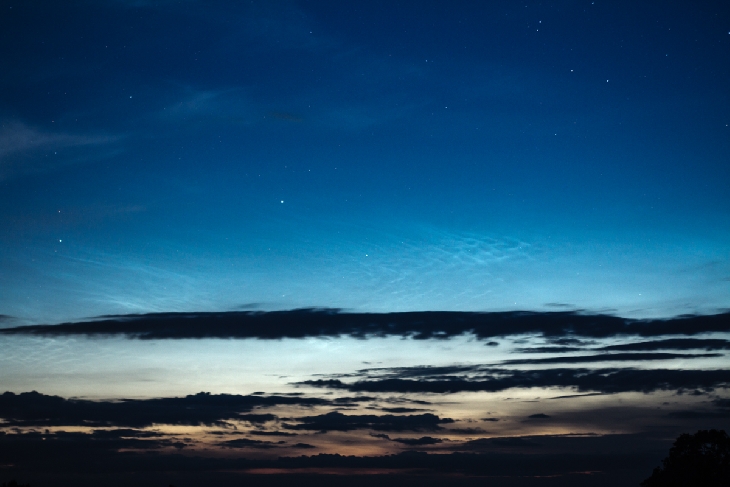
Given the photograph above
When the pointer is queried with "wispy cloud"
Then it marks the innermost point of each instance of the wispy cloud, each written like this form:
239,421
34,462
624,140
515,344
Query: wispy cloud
18,137
26,149
233,106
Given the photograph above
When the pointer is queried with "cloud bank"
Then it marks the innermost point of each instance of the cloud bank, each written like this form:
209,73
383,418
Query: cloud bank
303,323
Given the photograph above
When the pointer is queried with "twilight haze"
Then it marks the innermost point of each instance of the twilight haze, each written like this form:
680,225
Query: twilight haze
416,241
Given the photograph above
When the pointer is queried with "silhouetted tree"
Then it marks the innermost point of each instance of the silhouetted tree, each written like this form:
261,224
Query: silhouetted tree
698,460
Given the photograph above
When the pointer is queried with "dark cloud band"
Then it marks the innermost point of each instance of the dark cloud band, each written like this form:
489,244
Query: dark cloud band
608,380
35,409
336,421
611,357
419,325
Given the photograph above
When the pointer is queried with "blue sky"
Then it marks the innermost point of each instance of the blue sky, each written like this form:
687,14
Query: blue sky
590,139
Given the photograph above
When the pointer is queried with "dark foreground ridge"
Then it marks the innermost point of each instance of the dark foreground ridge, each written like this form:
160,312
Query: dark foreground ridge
700,459
304,323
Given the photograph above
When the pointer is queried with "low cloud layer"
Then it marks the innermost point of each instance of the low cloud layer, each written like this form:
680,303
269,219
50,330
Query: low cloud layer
444,450
611,357
419,325
36,409
707,344
481,379
336,421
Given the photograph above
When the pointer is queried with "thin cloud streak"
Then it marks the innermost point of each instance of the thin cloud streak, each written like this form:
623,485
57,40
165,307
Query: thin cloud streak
22,148
607,380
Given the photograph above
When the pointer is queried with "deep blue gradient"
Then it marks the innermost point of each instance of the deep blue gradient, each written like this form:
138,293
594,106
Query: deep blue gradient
375,156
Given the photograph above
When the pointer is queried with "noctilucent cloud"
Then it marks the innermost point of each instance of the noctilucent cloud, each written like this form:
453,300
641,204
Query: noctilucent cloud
245,242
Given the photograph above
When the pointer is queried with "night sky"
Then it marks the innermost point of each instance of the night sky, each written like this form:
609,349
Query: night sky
442,240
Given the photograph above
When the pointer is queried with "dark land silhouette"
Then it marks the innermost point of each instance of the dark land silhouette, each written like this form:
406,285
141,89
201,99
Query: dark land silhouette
698,460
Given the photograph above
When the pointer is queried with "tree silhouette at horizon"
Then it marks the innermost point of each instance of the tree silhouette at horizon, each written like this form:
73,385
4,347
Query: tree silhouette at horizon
699,460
